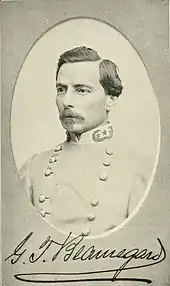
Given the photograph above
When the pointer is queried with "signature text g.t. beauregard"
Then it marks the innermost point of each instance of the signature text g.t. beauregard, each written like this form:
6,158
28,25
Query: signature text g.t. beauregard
74,249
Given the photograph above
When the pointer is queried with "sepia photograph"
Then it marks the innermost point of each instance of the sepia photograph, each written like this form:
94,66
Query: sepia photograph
85,142
88,171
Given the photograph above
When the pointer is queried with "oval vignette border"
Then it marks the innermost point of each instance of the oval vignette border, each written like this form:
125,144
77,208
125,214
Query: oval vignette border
153,173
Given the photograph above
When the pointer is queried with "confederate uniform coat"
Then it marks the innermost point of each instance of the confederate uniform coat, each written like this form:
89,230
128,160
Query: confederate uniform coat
84,185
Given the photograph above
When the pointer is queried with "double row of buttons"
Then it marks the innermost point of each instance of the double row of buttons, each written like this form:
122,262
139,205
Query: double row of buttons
94,202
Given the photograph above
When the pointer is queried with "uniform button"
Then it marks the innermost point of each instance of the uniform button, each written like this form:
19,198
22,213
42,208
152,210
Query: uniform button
52,159
103,177
106,162
42,212
86,232
109,151
58,148
95,202
48,172
42,198
91,217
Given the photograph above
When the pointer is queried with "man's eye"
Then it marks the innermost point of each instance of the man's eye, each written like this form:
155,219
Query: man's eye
61,90
83,90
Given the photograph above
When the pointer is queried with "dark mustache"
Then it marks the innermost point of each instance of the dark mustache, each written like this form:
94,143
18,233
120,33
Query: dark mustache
69,113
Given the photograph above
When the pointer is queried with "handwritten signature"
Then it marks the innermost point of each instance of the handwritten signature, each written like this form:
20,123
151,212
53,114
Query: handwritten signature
73,249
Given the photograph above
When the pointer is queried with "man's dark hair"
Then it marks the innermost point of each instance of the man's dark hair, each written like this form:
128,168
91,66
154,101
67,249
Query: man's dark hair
109,77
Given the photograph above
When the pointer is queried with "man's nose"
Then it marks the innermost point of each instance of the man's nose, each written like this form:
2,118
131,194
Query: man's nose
68,99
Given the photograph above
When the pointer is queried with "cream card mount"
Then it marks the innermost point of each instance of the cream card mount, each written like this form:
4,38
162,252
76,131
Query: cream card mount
83,118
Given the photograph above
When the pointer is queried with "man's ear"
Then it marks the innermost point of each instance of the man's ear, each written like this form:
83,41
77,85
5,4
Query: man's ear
111,101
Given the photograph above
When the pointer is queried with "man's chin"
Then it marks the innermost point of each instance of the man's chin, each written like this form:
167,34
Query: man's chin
75,128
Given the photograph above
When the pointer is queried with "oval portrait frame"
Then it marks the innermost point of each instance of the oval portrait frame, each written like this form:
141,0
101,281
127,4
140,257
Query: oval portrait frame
152,174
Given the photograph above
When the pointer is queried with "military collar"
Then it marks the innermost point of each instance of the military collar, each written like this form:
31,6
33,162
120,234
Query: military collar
99,134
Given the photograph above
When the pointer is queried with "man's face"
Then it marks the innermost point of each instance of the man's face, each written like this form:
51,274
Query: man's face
81,100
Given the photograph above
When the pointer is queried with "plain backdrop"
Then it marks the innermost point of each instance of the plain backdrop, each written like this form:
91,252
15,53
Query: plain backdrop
35,126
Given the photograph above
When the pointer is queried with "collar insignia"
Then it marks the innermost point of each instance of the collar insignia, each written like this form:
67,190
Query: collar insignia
102,134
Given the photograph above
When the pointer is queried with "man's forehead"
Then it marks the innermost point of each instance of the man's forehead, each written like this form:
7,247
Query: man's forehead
80,72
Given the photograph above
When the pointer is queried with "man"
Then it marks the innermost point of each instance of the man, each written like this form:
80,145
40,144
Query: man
84,184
